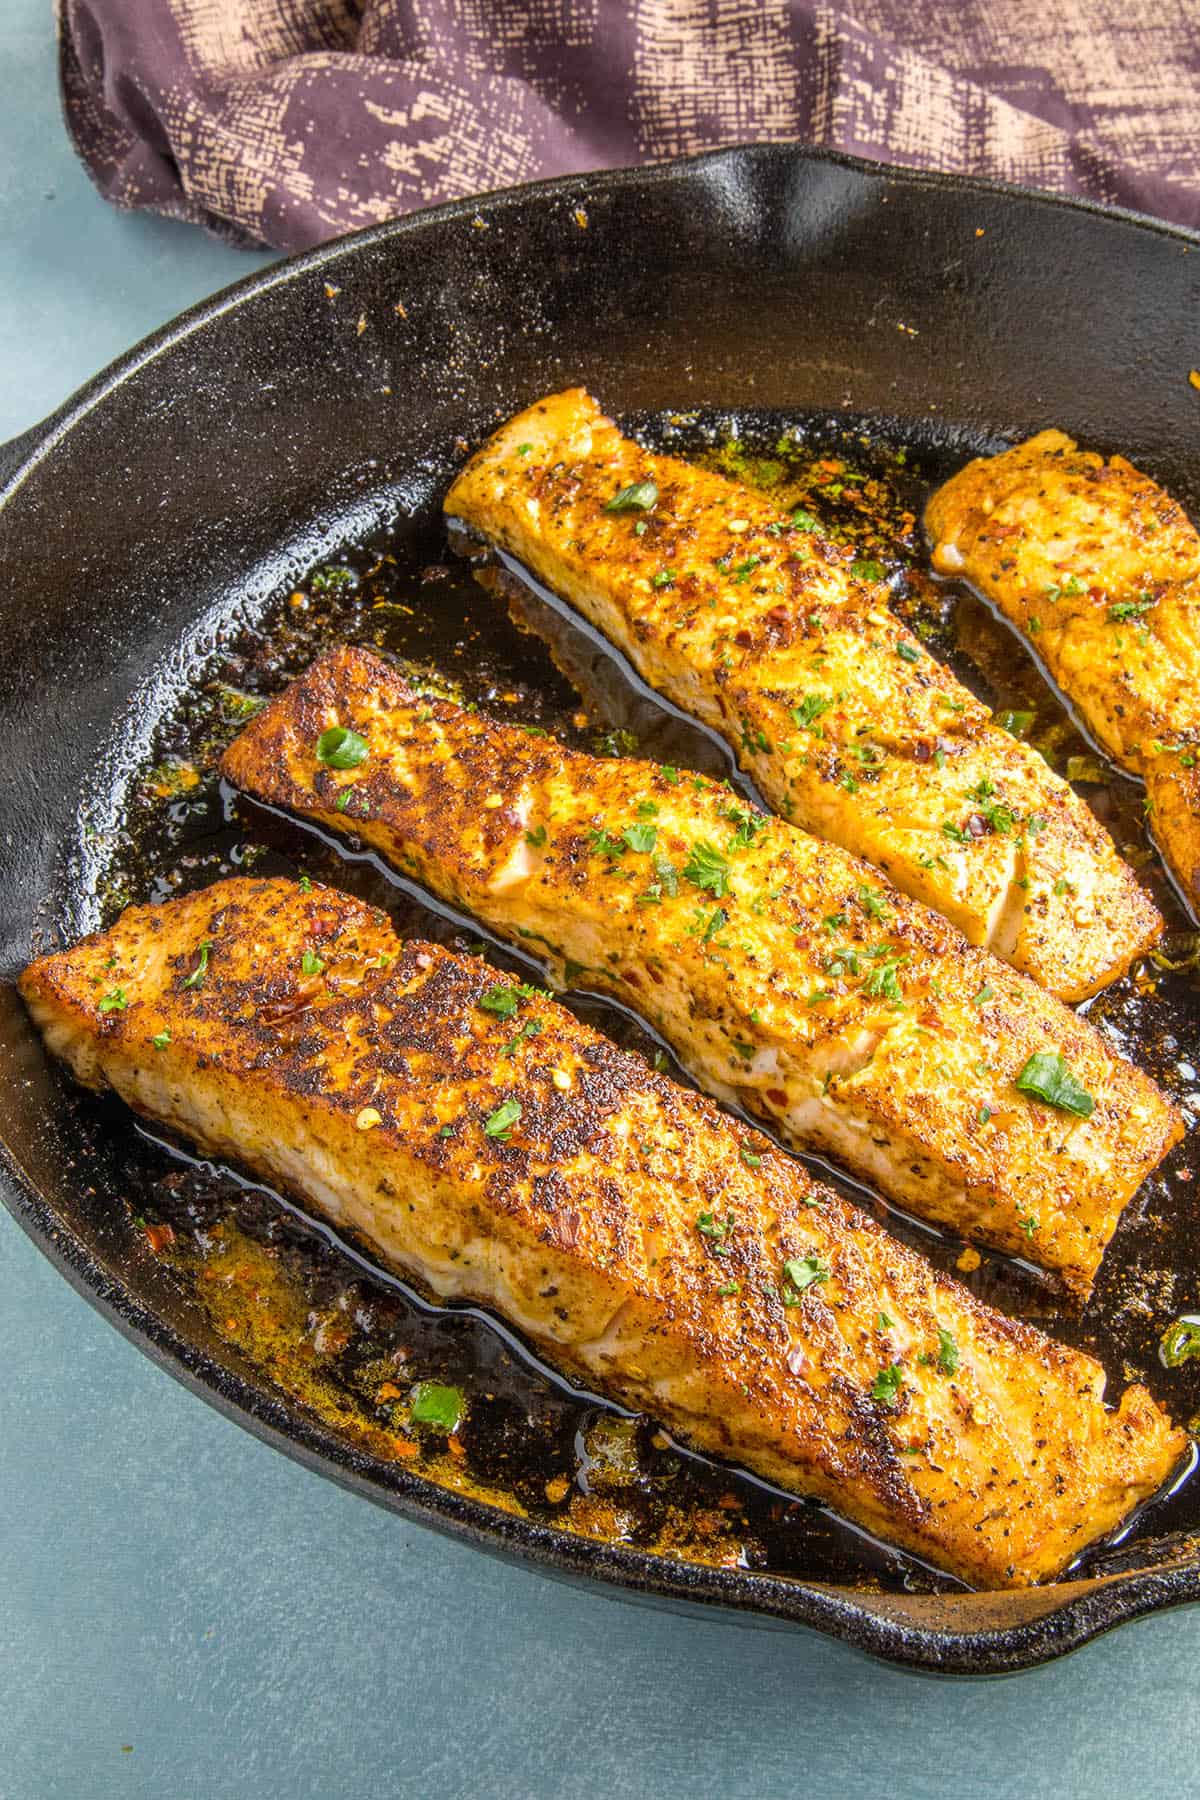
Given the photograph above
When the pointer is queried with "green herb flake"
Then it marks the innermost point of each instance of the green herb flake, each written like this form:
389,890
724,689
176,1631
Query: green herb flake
715,1230
751,1158
311,963
1046,1077
883,1322
868,570
114,1002
639,496
873,904
947,1352
201,969
640,838
500,1123
810,710
720,918
802,520
1180,1342
803,1273
707,869
161,1039
887,1384
1128,609
665,578
883,982
729,1288
1015,723
306,886
340,748
909,653
536,837
985,993
434,1404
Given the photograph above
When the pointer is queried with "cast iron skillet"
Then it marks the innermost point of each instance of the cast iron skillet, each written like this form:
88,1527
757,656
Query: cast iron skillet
301,410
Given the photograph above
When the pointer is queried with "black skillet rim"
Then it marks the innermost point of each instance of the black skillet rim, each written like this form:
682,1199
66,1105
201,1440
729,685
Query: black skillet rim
1088,1608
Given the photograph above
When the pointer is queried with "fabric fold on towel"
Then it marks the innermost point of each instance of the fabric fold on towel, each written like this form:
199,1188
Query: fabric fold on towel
292,121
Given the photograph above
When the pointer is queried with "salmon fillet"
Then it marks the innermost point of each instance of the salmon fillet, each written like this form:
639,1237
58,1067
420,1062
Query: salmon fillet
788,975
752,621
1100,569
637,1237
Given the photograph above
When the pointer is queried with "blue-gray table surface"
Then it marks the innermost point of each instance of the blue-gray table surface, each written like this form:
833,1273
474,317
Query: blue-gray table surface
184,1613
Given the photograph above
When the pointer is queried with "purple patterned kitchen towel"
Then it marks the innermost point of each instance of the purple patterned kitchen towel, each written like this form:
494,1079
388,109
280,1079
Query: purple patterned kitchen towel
291,121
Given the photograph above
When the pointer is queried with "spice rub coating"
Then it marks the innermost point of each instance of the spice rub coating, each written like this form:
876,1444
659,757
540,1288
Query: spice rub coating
638,1237
787,974
1100,569
753,621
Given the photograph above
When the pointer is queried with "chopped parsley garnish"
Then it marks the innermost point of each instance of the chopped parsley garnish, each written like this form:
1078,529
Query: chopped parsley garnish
432,1403
1072,585
745,569
1015,723
802,1273
803,520
720,918
887,1384
500,1123
201,969
873,904
664,579
665,876
883,982
647,809
986,992
883,1323
640,838
810,710
537,837
305,885
707,869
604,845
909,653
324,579
639,496
1180,1342
748,825
341,748
114,1002
670,774
1028,1222
947,1352
1128,609
750,1157
868,570
529,1029
161,1039
503,1000
715,1230
1046,1077
311,963
956,832
730,1287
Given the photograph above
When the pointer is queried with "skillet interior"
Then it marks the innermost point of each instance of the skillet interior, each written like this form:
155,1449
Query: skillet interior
261,435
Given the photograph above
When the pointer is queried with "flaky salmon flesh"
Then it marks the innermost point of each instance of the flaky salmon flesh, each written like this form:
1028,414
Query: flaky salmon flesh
640,1239
755,623
788,975
1100,569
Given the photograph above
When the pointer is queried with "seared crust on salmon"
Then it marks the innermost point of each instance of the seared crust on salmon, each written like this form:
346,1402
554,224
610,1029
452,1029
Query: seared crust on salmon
639,1238
1100,569
758,625
789,977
